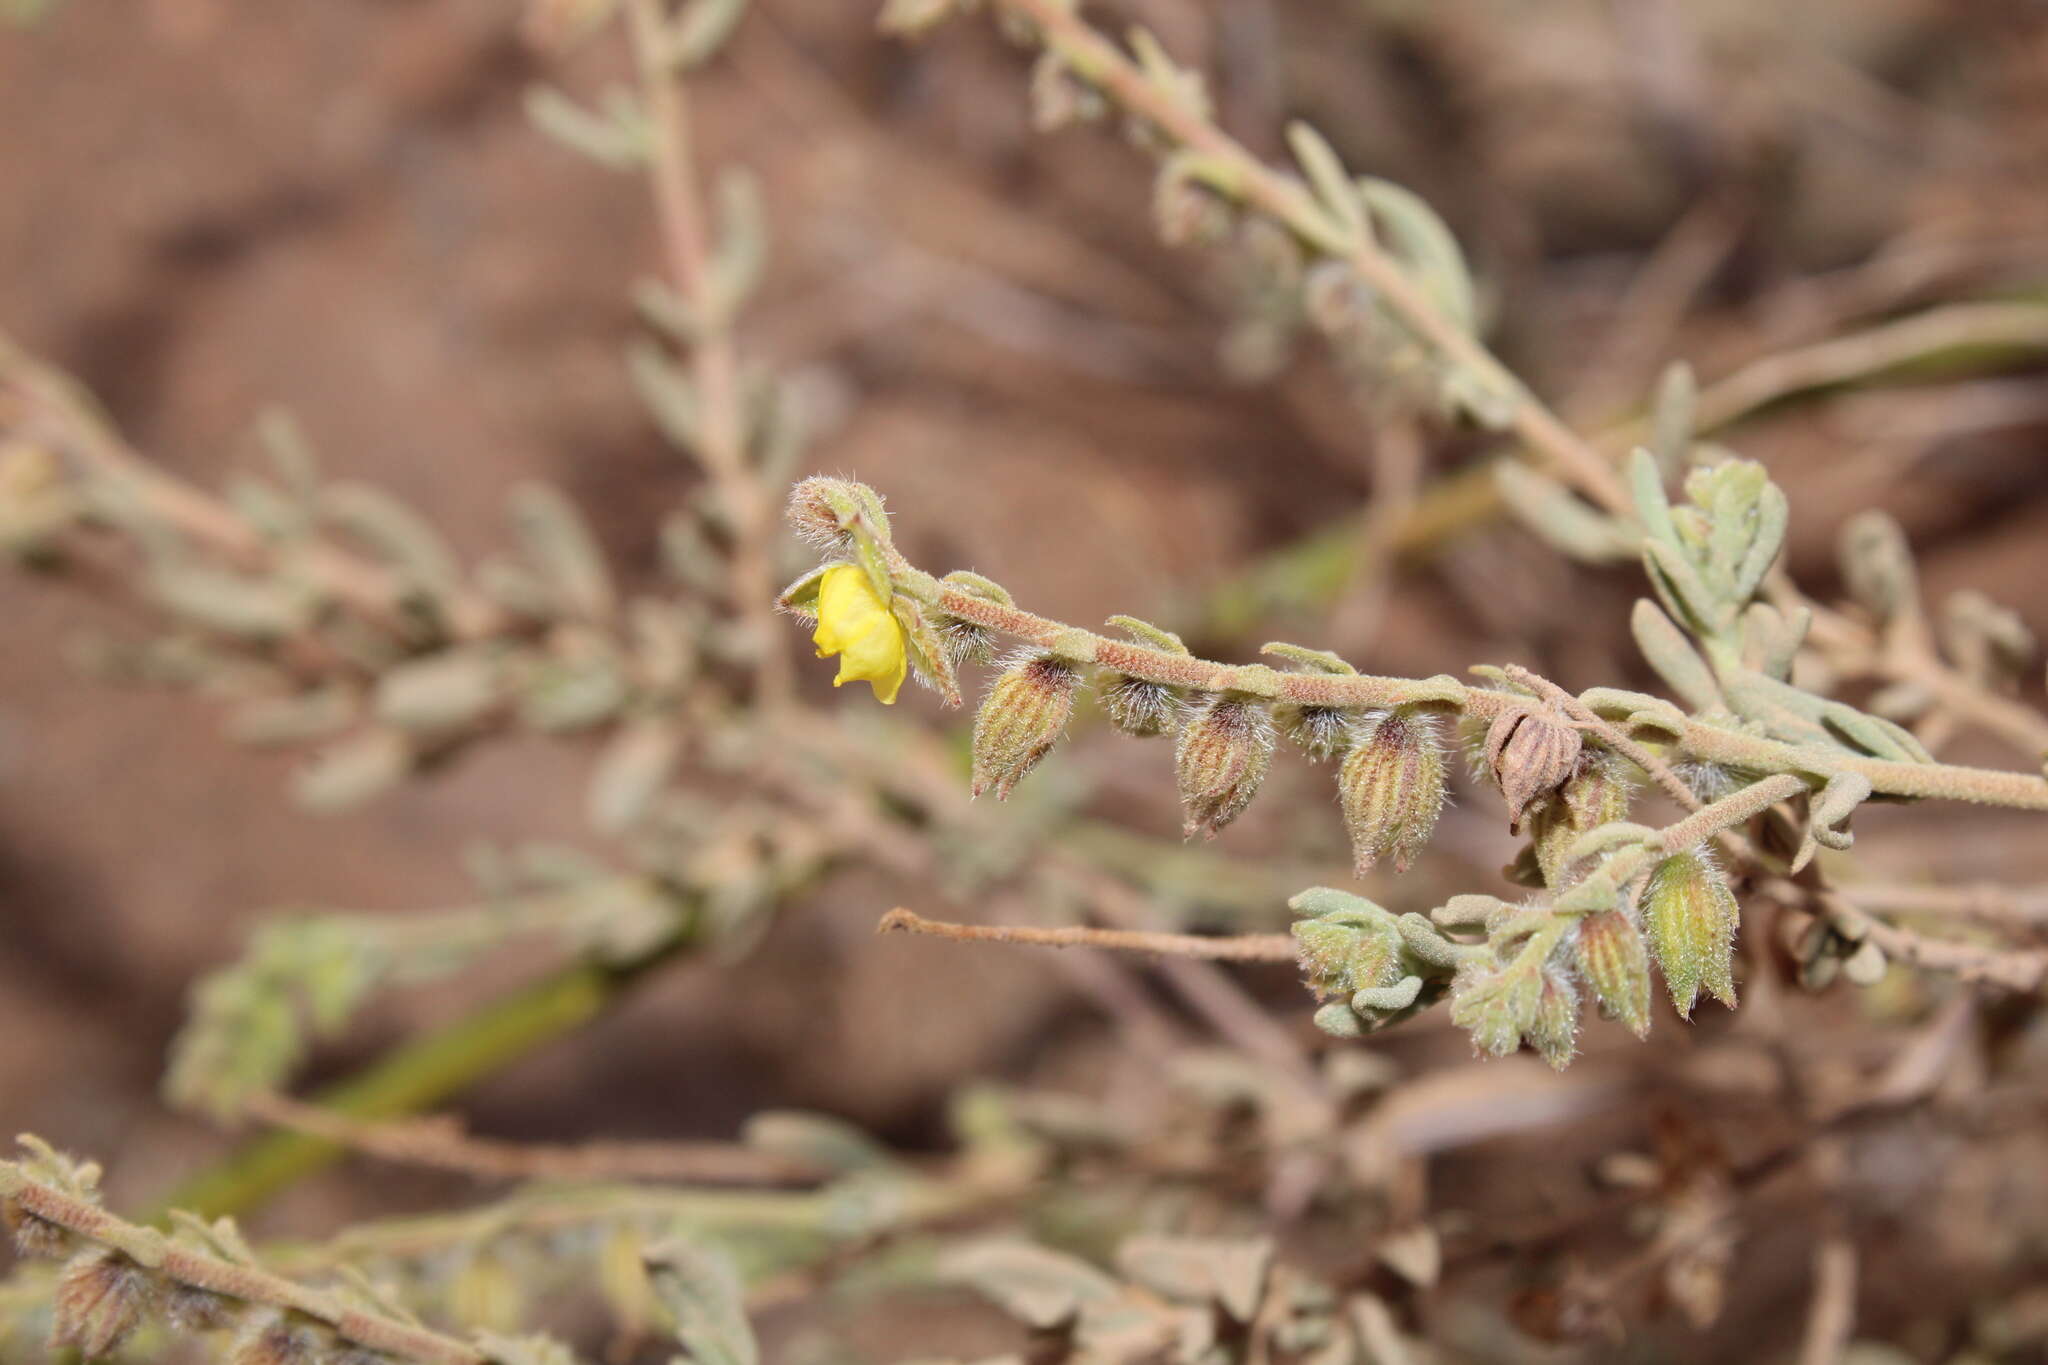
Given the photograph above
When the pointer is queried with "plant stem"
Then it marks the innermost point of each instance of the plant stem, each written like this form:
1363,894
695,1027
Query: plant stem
1235,948
721,431
150,1249
1358,691
1096,59
421,1073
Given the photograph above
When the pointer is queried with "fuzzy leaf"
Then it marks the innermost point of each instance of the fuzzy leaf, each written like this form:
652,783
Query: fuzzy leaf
700,1288
1330,181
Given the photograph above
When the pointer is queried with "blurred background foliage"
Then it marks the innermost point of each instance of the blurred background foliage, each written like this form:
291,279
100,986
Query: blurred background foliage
216,209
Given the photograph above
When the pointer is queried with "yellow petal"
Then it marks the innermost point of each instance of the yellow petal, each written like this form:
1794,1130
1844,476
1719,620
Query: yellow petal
856,624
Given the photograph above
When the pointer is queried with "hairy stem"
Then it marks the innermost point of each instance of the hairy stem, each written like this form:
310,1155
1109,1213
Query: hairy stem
1236,948
150,1249
1098,60
1697,739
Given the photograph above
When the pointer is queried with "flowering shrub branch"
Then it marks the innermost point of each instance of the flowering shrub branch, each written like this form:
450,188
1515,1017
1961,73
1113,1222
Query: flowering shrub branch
1612,895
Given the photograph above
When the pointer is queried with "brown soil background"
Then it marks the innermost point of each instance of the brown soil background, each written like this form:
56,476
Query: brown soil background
210,207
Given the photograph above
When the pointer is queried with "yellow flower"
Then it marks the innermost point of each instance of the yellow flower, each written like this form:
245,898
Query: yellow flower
857,625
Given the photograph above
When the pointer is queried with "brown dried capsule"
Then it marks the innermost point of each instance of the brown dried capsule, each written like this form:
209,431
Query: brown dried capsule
1531,752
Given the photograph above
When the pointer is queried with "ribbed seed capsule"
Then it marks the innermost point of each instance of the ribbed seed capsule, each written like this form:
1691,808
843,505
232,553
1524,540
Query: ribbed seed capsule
1224,751
1612,957
1391,785
1691,916
1138,707
100,1300
1022,717
1531,753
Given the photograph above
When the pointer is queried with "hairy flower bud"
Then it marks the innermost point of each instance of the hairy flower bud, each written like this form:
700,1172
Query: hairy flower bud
189,1308
820,509
35,1237
1496,1005
1612,957
1691,916
1343,953
1224,751
1531,753
100,1299
281,1338
1320,731
1554,1026
1185,210
1138,707
965,642
1598,794
1023,716
1391,785
1877,565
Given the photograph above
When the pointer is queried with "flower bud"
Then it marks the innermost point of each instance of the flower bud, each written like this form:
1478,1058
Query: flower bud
1612,957
965,642
281,1338
1691,916
1554,1026
1531,752
1320,731
191,1309
1344,953
1185,210
1224,751
1877,565
1138,707
1391,785
1598,794
1496,1005
1060,97
1021,719
822,509
35,1237
100,1300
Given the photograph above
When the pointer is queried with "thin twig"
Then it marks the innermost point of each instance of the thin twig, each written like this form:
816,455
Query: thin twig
441,1143
1096,59
2020,970
1982,902
1833,1313
56,408
1236,948
721,432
